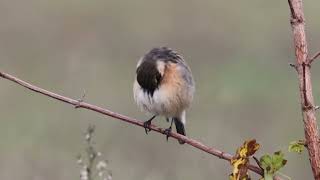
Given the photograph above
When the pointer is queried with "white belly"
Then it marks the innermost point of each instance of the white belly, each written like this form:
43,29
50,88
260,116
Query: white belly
163,102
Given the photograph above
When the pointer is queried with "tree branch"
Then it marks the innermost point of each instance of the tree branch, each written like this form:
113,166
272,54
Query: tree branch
304,74
84,105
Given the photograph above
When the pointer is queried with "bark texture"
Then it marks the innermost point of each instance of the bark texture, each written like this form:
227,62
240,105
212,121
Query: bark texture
303,67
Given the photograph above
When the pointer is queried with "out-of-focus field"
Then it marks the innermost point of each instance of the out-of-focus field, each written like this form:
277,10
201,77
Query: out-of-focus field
238,51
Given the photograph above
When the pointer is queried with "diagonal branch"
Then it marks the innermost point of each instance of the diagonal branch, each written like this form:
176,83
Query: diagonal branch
84,105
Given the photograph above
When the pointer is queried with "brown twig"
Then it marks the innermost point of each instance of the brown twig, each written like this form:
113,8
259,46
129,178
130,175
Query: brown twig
257,161
84,105
305,85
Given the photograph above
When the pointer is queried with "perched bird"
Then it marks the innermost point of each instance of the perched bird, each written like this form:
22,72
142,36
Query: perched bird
164,86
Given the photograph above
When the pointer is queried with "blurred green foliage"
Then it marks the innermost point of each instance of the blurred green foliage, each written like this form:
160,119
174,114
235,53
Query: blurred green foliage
238,51
296,146
271,164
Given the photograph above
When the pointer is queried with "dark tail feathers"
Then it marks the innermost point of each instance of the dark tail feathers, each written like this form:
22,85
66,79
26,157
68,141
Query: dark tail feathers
180,128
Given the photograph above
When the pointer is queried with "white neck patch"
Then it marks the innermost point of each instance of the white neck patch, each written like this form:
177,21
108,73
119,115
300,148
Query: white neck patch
161,66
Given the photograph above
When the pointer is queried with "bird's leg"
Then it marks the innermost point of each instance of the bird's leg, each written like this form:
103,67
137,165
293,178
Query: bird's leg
168,130
146,124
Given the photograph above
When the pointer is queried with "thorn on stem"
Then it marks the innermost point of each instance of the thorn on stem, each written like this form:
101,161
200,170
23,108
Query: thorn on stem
314,57
80,100
316,107
293,65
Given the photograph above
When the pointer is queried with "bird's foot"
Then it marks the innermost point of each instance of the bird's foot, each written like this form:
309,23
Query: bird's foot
146,126
167,132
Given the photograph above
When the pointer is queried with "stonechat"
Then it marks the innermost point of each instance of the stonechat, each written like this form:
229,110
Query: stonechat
164,86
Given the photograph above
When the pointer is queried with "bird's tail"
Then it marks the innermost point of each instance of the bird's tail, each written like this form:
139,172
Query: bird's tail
180,128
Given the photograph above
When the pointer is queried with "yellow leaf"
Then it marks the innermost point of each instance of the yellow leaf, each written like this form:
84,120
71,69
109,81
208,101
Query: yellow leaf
241,160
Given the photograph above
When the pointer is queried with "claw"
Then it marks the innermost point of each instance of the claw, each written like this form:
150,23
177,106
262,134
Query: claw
167,132
146,126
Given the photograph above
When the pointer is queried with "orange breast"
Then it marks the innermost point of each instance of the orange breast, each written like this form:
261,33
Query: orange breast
173,86
172,80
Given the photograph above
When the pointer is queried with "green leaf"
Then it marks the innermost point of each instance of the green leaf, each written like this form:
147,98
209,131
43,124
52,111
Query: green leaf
272,163
266,162
278,161
296,146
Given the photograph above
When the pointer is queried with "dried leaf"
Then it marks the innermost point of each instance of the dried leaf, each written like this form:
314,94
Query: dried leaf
241,160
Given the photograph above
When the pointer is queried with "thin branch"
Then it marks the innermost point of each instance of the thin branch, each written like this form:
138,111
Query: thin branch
305,85
84,105
314,57
257,161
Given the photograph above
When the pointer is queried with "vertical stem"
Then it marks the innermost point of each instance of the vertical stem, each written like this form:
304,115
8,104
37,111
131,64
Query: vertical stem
305,85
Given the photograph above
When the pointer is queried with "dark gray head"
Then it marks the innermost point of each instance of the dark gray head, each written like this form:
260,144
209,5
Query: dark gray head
148,75
163,54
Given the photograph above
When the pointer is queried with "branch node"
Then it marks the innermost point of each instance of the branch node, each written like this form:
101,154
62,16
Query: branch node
307,107
293,21
296,20
293,65
221,155
78,105
314,57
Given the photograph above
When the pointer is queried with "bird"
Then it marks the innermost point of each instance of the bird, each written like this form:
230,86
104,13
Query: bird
164,86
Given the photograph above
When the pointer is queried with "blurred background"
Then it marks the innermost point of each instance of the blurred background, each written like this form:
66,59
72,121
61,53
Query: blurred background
238,51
